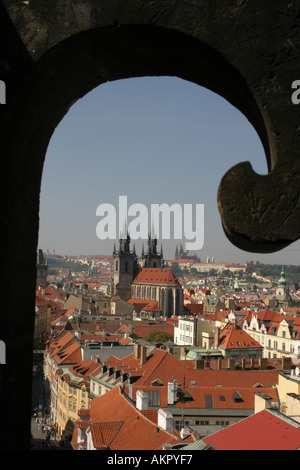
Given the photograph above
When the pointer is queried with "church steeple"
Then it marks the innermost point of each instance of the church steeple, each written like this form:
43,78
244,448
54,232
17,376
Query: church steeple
41,268
125,267
152,259
282,280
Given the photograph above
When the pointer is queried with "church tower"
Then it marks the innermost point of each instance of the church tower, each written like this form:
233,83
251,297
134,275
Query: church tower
125,268
282,290
152,259
41,269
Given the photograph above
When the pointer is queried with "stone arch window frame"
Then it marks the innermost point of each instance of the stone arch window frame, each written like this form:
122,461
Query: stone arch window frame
33,135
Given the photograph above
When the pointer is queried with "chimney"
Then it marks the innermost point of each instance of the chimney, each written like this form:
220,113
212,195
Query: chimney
137,350
262,402
142,400
216,337
172,393
199,364
286,363
143,355
182,353
263,363
165,420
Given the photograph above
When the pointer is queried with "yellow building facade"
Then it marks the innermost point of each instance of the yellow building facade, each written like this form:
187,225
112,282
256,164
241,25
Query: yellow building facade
289,393
72,395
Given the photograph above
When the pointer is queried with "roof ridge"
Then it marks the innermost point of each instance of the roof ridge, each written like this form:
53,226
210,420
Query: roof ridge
159,362
139,412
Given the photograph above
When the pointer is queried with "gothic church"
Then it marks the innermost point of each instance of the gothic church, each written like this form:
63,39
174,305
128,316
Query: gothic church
148,281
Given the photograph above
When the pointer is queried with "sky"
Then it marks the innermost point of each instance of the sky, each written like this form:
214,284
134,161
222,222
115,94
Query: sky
155,140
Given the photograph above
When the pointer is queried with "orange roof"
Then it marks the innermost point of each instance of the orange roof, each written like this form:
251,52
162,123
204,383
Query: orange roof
225,397
103,434
118,425
60,341
156,276
228,378
143,330
142,304
69,355
196,309
266,430
39,301
234,337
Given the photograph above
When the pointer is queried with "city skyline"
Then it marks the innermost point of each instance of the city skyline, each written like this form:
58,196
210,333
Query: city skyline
156,140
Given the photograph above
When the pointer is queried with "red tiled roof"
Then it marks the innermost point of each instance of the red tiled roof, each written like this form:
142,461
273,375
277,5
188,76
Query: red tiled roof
60,341
234,337
229,378
84,368
69,355
262,431
143,330
117,419
103,434
156,276
39,301
224,397
141,304
196,309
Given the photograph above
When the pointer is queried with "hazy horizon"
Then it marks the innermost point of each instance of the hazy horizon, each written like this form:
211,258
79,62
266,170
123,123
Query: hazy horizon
156,140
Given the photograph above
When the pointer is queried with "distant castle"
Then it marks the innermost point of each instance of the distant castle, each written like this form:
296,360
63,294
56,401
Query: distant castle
148,281
180,253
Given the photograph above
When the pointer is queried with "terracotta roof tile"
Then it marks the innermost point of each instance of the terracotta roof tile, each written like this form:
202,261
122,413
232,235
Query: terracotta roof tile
156,276
232,337
265,430
114,414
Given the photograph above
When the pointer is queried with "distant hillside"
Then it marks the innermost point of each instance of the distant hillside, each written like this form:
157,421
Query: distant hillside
60,262
292,272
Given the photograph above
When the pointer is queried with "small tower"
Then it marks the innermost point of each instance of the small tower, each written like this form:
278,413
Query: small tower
125,268
41,269
151,259
282,290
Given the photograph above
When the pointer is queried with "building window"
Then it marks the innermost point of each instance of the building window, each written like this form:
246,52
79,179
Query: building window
154,397
208,401
237,398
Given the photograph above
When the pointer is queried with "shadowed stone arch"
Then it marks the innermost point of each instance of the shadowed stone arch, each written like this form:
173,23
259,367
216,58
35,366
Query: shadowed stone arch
53,53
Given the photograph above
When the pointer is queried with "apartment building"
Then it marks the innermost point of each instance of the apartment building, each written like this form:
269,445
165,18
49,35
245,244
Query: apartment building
72,394
278,334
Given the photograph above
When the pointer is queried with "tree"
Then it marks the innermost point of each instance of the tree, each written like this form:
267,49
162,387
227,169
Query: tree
158,336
